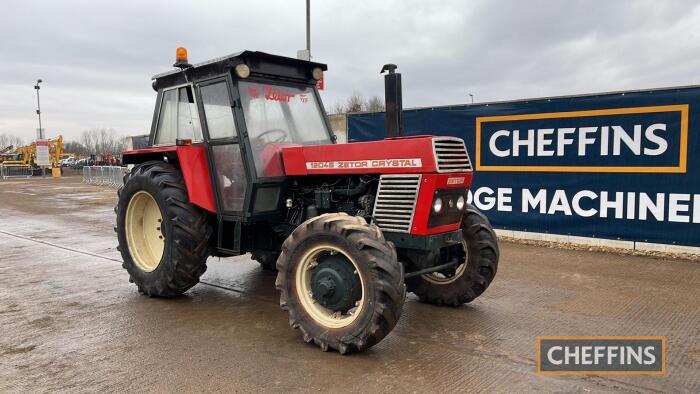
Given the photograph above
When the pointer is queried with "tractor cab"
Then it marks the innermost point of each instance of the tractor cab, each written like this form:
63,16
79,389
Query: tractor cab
237,111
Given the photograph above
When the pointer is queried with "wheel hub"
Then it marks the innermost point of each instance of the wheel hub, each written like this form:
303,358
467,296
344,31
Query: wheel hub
335,283
144,234
449,275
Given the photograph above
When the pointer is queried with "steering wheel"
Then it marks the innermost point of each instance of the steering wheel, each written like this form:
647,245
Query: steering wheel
273,136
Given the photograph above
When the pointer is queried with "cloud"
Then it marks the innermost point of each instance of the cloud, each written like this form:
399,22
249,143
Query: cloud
97,57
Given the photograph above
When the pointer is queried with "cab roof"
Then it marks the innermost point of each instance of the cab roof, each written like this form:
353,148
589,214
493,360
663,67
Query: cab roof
261,64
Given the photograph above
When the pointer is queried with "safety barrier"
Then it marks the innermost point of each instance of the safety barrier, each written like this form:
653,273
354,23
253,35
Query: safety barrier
7,172
104,175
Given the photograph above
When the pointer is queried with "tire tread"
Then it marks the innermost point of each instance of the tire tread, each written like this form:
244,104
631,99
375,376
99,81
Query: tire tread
380,257
481,238
190,232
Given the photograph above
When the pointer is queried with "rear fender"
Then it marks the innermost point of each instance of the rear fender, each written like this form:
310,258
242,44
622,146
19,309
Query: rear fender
195,170
194,167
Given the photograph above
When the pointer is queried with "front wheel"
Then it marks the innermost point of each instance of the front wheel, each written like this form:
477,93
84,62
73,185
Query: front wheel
341,282
470,279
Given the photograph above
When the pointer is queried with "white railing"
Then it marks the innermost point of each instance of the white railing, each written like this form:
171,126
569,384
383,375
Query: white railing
104,175
7,172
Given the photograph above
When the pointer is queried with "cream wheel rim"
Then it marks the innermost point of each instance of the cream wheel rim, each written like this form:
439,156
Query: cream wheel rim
322,315
143,231
441,279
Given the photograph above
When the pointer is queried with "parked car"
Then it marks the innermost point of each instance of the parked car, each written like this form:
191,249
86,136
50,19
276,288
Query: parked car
68,162
80,163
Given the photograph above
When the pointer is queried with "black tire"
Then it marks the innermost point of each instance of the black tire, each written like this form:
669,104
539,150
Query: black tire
481,267
384,287
184,227
266,258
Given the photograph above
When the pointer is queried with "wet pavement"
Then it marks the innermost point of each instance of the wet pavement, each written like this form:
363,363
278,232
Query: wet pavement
71,321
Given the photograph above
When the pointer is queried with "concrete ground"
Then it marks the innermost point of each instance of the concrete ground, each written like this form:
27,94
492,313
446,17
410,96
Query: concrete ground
71,321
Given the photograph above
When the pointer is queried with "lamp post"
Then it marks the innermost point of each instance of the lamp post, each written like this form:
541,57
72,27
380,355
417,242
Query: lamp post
38,111
305,54
472,97
308,27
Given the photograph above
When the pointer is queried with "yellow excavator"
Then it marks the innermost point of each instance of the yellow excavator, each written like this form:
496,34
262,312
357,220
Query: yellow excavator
26,155
5,153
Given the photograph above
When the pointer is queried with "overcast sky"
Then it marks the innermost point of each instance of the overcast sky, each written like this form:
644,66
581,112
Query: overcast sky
97,57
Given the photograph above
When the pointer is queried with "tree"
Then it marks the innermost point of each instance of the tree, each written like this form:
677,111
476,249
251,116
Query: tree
75,148
338,108
10,139
375,104
101,141
357,103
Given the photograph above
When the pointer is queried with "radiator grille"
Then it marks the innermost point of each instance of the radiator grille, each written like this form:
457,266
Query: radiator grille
396,202
451,155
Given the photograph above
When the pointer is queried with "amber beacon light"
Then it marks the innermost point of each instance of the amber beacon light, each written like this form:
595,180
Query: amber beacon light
181,58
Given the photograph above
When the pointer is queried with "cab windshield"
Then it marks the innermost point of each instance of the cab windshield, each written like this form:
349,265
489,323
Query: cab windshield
277,115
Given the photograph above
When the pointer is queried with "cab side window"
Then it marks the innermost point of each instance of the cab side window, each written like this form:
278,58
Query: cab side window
228,162
178,117
167,120
217,109
230,176
188,126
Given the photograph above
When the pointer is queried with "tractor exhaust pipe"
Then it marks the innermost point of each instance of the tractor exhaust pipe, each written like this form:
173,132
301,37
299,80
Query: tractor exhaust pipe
392,96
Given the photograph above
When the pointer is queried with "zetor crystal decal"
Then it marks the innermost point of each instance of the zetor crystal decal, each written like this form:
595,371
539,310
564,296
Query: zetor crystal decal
348,164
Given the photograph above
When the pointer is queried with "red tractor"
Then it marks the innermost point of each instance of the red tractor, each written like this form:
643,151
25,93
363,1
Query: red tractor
242,160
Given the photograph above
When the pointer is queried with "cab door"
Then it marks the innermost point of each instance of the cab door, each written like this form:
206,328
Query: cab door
227,165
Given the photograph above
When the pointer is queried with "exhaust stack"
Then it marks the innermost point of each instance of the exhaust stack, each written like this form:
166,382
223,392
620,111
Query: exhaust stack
392,97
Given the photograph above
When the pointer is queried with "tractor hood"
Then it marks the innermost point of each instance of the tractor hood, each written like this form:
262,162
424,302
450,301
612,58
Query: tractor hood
420,154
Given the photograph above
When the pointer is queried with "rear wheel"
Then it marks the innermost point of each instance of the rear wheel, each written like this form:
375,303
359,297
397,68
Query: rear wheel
458,285
163,239
341,283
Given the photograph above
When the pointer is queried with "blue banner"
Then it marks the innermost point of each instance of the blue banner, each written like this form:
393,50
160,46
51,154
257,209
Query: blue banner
616,166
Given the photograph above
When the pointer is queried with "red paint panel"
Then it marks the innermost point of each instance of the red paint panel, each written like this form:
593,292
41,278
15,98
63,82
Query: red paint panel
195,170
150,150
430,183
390,156
272,157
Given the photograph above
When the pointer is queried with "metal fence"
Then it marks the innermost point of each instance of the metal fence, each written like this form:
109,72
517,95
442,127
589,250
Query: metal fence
104,175
7,172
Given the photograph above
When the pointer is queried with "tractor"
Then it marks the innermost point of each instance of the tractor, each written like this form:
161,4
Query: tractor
241,159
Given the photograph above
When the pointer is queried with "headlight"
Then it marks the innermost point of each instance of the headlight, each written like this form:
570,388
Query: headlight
317,73
437,205
460,203
242,70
